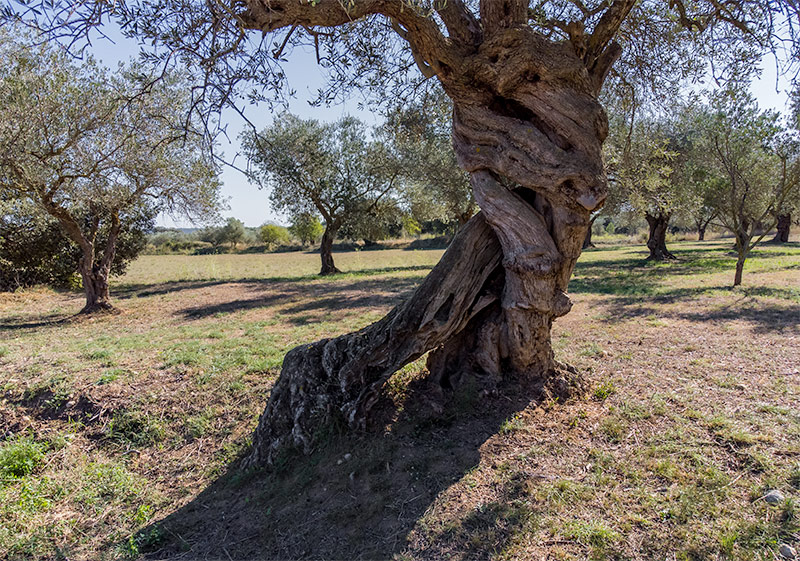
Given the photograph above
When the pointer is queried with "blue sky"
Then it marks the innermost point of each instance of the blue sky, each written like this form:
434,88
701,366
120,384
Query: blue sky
251,204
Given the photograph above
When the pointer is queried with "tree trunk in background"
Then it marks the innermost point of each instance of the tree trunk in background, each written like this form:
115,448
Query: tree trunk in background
743,238
528,127
701,233
784,225
587,241
657,238
737,277
326,252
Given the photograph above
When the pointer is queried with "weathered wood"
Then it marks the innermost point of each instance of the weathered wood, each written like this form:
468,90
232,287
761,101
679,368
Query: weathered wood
784,225
338,380
326,252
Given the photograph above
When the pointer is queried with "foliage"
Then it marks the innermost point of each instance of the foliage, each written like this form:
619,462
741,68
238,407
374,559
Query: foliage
233,232
332,170
312,167
273,235
753,162
434,186
35,250
306,227
19,457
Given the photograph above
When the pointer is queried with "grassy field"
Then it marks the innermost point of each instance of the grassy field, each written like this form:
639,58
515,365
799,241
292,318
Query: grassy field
117,432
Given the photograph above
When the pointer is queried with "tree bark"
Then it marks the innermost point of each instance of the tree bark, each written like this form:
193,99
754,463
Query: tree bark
326,252
587,241
784,225
743,237
528,127
657,238
334,382
95,288
737,277
701,233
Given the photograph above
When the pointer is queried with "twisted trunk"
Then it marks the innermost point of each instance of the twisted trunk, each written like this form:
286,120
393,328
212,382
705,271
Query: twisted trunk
528,127
95,274
326,251
784,225
95,288
657,238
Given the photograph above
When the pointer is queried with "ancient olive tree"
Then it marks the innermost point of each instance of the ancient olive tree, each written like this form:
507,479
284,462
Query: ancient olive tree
527,125
757,162
75,143
331,169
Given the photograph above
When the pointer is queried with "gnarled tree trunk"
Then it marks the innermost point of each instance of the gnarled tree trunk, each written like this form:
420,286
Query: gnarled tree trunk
528,127
326,252
784,225
657,238
701,233
95,288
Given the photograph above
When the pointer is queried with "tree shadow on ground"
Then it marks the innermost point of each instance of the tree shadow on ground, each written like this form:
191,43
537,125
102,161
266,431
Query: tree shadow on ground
358,498
762,316
15,323
323,296
142,290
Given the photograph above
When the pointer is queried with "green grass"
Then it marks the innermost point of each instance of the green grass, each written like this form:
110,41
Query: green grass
19,457
155,269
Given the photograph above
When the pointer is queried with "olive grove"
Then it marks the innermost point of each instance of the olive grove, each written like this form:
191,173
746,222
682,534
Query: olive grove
527,125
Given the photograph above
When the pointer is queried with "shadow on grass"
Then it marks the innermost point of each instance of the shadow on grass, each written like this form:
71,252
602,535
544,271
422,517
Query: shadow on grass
358,498
332,295
15,323
125,291
764,317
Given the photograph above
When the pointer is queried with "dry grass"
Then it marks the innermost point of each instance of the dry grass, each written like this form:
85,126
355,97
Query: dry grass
129,422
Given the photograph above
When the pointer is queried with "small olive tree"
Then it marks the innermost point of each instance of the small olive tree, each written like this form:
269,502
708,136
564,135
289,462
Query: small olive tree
331,169
757,162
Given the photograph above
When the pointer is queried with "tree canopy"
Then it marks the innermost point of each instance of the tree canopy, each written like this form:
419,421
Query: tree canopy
756,163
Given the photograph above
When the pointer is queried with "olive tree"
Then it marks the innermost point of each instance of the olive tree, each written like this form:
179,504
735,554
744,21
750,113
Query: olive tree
528,126
757,162
331,169
434,186
34,249
74,142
